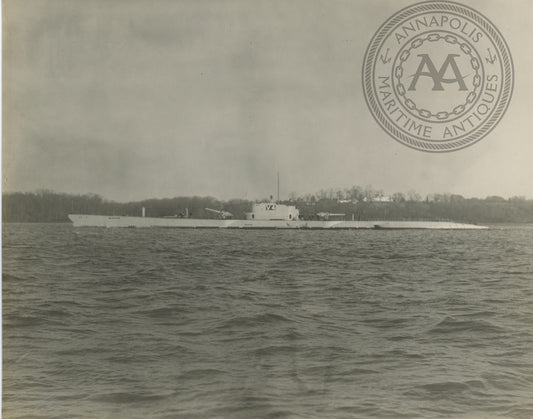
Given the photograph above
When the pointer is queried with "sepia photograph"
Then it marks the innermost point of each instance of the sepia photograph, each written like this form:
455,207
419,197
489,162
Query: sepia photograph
244,209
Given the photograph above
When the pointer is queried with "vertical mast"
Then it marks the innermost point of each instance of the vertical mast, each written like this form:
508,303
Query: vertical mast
278,186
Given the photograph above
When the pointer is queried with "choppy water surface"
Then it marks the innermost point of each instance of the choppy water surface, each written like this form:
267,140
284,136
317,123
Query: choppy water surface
241,324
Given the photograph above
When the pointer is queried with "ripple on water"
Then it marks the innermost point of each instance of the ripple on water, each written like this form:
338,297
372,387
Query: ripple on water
177,323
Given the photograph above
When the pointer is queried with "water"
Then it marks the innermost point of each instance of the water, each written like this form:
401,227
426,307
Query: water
267,324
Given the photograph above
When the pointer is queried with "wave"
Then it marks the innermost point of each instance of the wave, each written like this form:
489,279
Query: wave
256,320
127,397
274,350
447,387
450,325
201,373
12,321
164,312
8,278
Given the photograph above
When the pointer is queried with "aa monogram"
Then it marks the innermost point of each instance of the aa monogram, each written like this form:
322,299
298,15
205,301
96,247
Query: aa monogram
437,76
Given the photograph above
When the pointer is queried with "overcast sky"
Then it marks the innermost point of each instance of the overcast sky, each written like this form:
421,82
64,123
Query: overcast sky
141,99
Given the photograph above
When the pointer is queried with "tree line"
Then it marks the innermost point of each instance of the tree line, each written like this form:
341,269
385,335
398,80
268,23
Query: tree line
359,203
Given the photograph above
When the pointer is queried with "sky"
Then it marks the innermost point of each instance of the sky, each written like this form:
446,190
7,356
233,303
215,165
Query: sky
150,99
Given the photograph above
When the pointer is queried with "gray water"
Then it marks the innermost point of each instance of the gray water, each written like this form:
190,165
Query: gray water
267,324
